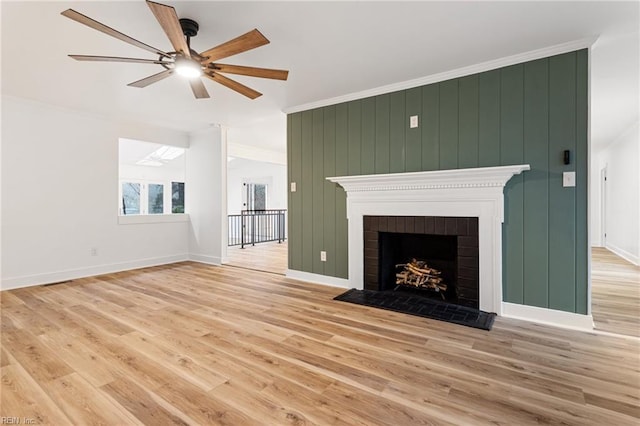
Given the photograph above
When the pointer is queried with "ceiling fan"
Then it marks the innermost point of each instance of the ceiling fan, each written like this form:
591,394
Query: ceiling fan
184,60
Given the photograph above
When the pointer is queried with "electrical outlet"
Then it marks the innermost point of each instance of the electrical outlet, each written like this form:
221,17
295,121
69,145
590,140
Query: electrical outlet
93,251
293,187
413,121
569,179
323,256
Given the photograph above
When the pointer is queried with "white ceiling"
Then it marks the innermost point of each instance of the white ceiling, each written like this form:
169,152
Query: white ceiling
330,48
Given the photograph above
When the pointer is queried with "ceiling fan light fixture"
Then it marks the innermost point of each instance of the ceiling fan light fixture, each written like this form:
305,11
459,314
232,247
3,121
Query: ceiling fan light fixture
187,67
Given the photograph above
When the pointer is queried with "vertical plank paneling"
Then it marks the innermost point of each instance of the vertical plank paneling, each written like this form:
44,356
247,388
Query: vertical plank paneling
413,159
368,142
289,179
562,223
342,169
581,162
526,113
489,119
536,191
306,190
449,124
318,190
511,115
294,152
329,203
468,123
398,122
431,127
511,152
382,134
355,136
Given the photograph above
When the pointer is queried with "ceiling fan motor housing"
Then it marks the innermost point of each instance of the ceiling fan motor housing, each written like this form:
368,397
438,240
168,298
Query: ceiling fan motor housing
189,27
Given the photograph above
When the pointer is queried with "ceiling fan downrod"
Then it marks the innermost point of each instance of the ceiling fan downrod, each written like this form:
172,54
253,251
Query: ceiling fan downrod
189,29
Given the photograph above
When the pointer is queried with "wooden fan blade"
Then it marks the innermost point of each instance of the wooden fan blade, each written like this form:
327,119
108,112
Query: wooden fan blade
79,17
116,59
251,71
248,41
151,79
234,85
197,86
168,20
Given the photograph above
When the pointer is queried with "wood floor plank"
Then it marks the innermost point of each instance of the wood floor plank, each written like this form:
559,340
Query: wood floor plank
86,404
270,410
38,360
26,318
615,293
8,299
142,404
176,361
202,408
190,343
21,396
86,362
269,257
315,407
376,408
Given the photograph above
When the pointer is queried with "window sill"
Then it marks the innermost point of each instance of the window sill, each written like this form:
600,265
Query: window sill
152,218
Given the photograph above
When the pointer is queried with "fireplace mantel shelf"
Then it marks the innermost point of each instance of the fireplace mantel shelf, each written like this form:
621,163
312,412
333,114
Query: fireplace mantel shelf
481,177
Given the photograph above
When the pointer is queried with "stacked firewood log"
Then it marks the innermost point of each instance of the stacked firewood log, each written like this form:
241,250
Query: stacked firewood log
419,275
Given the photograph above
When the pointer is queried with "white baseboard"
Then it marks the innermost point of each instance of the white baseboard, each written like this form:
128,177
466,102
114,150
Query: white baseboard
72,274
624,254
552,317
317,278
209,260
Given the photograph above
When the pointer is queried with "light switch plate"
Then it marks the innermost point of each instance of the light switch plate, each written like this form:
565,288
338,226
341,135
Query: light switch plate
413,121
569,179
293,187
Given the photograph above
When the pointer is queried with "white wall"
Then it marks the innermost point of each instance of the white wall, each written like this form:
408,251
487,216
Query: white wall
151,174
621,159
60,197
204,192
241,170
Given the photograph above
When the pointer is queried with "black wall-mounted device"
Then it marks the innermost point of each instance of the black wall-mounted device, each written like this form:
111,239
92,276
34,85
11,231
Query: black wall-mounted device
567,156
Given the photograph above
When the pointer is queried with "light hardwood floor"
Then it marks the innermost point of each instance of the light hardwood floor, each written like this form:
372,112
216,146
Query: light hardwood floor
269,257
615,293
196,344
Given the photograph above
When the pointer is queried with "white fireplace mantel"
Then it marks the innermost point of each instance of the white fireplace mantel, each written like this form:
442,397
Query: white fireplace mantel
476,192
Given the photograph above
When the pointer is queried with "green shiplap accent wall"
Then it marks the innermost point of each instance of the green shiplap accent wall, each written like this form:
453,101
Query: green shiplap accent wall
525,113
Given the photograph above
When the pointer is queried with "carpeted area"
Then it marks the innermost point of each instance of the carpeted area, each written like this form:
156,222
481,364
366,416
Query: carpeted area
413,304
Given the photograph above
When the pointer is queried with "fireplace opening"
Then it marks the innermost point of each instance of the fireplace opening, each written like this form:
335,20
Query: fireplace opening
438,252
447,244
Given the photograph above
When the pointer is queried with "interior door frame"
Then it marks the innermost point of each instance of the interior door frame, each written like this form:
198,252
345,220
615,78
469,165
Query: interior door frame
603,206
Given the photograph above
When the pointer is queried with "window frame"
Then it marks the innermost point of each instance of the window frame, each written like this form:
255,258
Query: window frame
144,216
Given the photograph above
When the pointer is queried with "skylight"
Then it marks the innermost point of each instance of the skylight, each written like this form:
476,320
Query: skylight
161,156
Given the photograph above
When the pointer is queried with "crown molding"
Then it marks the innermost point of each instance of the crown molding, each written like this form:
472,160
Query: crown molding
532,55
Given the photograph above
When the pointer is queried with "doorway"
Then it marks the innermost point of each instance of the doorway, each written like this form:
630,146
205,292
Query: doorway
257,215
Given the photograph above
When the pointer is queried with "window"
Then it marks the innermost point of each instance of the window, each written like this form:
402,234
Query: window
142,198
156,199
177,197
131,198
151,178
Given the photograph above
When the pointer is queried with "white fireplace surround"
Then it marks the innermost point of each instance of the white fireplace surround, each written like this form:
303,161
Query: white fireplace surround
475,192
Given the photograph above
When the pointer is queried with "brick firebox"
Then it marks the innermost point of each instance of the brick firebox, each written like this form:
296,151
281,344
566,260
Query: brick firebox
464,228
